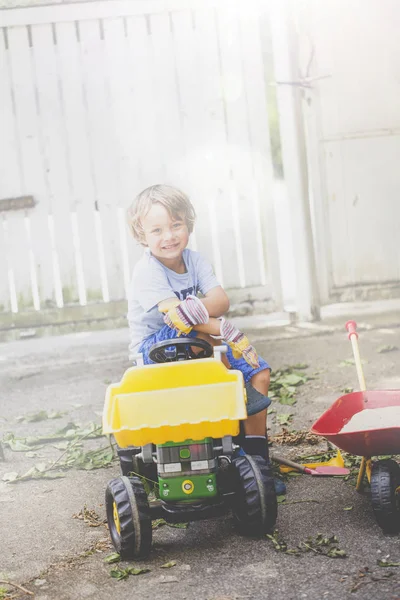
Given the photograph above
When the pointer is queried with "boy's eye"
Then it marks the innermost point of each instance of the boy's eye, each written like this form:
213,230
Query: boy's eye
177,225
158,230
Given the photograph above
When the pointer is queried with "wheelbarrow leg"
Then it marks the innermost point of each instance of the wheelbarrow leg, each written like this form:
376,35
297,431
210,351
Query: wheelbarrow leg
365,467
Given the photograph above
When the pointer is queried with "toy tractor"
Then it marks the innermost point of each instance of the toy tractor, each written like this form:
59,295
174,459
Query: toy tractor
174,424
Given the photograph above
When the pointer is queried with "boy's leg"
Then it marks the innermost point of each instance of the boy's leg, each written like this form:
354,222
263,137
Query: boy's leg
255,426
213,342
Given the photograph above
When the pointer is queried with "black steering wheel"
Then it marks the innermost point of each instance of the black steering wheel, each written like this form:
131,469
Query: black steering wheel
179,349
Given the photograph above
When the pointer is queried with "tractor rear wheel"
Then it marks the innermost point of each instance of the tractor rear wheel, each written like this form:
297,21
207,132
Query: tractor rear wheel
255,505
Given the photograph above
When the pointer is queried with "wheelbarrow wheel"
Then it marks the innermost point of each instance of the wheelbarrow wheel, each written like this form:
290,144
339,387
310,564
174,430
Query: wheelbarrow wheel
385,494
255,505
128,517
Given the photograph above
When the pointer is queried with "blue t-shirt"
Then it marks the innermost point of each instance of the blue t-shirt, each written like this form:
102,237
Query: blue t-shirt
152,282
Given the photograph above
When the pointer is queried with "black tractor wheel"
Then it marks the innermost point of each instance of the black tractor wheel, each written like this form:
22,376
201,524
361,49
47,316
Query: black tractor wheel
128,517
385,494
255,505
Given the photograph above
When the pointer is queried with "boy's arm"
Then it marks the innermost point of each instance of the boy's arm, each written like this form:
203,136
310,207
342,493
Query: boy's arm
165,305
216,302
214,297
183,316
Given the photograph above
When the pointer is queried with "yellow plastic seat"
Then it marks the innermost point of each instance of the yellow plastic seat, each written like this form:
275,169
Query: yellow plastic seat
173,402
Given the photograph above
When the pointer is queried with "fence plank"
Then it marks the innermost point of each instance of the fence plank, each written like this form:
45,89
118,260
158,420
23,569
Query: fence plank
11,185
240,148
120,61
55,156
10,180
121,89
265,246
21,261
217,183
31,148
170,135
144,90
5,298
105,154
188,62
82,201
146,148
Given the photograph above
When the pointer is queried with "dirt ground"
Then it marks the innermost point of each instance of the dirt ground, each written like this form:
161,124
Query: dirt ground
55,556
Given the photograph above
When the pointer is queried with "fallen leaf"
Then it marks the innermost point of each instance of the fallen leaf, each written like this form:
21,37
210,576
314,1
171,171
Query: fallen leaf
157,523
135,571
385,563
287,400
284,418
112,558
120,574
168,565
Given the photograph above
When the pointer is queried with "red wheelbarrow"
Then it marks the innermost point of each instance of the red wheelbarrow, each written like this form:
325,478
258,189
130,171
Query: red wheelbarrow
383,474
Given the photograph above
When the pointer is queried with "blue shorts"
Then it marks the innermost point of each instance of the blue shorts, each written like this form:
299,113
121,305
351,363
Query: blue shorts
255,401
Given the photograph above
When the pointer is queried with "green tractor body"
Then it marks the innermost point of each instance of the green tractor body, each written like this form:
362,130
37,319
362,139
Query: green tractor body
187,471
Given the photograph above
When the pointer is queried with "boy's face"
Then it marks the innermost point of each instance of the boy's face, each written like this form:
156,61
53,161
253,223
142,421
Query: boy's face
166,237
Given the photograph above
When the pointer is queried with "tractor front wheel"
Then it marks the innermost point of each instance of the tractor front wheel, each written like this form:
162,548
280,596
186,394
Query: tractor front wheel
128,517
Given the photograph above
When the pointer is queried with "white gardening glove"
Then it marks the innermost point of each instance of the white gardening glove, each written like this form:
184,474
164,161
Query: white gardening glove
239,343
186,315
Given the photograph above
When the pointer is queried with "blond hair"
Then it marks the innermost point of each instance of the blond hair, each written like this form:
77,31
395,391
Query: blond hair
176,202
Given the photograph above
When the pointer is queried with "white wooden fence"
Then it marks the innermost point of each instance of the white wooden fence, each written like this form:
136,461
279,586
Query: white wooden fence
99,100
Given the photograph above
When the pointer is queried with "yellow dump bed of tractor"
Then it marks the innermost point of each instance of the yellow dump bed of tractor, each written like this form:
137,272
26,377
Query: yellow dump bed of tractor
175,401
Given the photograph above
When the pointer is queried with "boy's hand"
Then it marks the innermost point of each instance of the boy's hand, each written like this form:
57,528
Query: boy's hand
186,315
239,343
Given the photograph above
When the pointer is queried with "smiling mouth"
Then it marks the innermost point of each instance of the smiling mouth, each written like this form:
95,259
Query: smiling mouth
171,247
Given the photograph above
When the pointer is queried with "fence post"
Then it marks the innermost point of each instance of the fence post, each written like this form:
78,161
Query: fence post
287,77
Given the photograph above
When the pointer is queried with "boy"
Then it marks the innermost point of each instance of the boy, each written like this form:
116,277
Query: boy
163,303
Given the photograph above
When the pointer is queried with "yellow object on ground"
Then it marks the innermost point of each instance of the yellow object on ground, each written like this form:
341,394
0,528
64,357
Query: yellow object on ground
173,402
336,461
